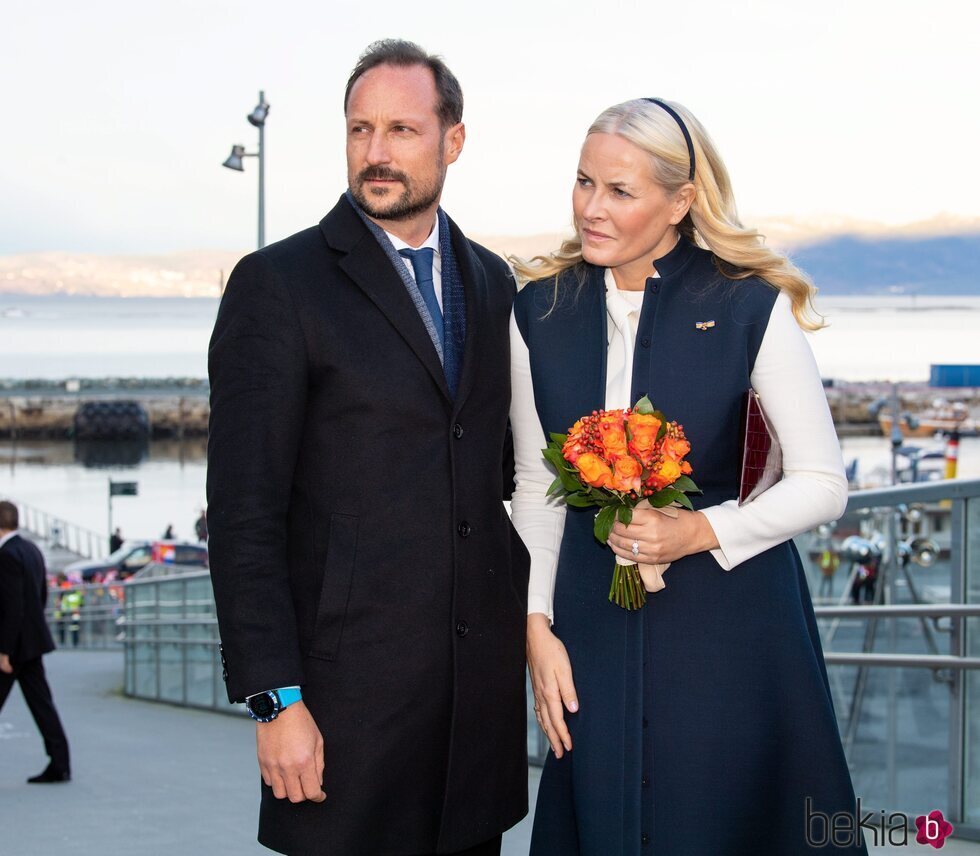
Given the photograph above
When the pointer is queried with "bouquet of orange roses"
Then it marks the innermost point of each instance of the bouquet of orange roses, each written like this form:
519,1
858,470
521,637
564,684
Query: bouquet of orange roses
616,459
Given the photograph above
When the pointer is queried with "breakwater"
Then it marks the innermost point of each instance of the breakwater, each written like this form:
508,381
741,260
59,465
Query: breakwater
178,407
175,407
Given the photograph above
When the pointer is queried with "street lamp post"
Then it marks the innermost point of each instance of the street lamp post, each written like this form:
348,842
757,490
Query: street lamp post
234,161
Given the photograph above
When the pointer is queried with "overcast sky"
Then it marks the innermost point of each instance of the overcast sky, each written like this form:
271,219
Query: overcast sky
116,114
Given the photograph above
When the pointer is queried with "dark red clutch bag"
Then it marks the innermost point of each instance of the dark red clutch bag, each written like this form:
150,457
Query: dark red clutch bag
762,457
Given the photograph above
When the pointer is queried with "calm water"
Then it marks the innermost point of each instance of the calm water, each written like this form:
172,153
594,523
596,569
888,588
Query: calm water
57,337
171,477
886,338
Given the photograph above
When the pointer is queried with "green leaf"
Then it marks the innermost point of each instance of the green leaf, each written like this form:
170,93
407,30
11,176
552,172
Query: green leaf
559,439
556,486
604,523
644,406
665,497
685,484
625,515
554,457
577,500
683,500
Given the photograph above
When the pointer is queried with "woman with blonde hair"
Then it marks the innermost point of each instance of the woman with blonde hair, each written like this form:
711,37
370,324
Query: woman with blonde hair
701,724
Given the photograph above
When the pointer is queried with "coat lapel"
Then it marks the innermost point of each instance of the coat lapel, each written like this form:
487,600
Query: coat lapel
475,291
368,266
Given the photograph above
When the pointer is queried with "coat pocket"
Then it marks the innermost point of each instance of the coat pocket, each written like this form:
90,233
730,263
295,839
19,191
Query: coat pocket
338,574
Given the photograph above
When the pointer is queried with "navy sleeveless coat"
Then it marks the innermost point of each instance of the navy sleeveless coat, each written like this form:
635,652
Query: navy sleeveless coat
705,718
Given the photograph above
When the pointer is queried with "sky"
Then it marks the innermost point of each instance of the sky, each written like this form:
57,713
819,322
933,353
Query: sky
116,115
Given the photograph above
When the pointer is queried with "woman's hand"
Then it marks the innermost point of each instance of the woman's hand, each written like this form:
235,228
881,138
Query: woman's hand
551,680
661,538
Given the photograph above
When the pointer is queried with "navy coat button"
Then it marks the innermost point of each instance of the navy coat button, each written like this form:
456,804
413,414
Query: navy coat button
644,839
457,430
464,529
645,782
654,287
462,628
645,341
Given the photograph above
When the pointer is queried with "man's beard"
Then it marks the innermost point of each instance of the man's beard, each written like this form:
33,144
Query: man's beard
412,201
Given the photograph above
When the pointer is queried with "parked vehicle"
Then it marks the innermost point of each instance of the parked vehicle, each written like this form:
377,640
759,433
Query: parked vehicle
133,556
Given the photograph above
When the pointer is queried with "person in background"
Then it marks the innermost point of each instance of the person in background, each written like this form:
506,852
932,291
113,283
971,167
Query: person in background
201,527
168,534
25,639
115,540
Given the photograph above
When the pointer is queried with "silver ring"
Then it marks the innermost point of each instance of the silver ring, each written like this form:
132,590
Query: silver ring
636,548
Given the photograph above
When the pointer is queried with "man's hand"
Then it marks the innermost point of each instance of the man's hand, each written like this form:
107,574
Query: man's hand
290,750
5,666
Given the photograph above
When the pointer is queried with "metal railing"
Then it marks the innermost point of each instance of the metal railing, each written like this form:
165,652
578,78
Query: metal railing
59,533
86,616
903,668
170,636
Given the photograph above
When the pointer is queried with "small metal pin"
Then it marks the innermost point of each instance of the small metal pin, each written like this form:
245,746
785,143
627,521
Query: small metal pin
704,325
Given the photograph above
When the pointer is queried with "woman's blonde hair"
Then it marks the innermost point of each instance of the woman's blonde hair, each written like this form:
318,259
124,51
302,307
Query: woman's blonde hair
712,221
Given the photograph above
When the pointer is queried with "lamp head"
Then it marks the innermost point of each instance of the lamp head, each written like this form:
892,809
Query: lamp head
257,116
234,160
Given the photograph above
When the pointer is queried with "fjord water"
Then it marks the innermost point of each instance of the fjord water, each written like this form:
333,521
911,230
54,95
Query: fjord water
878,338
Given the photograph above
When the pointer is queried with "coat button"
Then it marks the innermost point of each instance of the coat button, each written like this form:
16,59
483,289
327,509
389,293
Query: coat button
645,341
457,430
645,782
462,628
654,286
644,839
464,529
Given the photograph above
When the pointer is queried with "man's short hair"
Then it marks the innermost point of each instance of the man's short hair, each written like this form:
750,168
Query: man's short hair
9,518
403,54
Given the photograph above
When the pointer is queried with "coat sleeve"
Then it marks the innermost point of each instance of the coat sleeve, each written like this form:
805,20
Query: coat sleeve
11,604
257,364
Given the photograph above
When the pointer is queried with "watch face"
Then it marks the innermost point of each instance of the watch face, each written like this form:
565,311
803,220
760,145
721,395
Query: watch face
262,705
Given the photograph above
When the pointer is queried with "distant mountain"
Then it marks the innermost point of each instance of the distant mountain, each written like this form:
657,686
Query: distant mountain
936,257
942,265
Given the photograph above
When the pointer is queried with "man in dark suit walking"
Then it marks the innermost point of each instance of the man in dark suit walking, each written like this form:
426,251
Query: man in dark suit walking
25,638
371,592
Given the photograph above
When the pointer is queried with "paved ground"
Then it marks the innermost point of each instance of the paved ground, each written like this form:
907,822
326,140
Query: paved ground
150,778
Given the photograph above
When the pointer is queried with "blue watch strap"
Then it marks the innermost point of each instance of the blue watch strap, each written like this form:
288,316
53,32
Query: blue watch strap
288,696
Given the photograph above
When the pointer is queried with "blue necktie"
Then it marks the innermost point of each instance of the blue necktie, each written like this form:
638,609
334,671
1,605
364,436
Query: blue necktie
422,265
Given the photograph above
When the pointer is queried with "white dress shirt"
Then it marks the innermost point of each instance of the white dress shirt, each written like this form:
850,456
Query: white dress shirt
812,491
433,242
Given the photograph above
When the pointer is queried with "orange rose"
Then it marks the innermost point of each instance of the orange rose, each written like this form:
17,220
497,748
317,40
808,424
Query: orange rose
626,475
665,475
594,470
574,445
643,434
675,448
686,468
613,435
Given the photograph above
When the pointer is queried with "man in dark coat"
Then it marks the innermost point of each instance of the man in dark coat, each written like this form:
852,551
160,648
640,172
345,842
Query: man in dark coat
25,638
371,591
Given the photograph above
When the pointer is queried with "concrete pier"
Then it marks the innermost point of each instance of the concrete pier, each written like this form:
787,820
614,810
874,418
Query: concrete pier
154,779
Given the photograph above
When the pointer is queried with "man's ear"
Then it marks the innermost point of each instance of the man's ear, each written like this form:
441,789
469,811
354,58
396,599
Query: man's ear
453,142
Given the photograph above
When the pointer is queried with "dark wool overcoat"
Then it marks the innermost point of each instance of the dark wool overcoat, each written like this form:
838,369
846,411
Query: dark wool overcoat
359,545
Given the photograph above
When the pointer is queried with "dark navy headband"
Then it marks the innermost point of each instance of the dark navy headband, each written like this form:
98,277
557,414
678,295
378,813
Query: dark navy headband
687,134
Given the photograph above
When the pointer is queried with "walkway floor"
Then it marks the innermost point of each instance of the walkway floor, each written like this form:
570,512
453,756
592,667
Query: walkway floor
150,778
